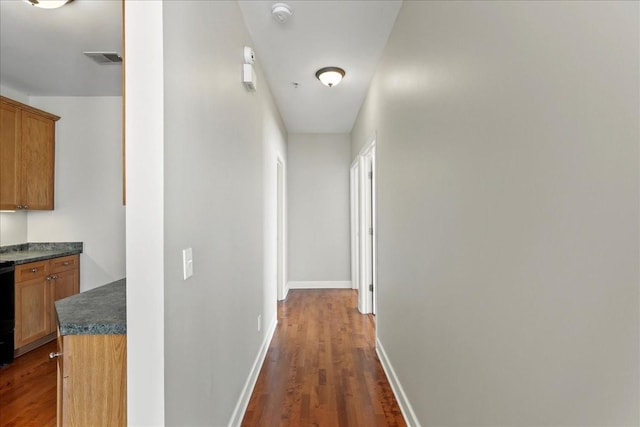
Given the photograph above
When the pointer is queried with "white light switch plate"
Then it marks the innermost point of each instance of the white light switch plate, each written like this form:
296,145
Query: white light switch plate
187,263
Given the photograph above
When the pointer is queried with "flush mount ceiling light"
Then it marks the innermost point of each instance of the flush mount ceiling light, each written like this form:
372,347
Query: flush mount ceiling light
330,76
48,4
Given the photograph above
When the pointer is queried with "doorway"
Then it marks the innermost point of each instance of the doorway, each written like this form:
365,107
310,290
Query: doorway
363,229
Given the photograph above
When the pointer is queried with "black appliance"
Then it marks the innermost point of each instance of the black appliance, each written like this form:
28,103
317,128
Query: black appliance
7,312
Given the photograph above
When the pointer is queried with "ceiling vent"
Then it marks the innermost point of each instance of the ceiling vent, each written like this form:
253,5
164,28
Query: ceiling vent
105,57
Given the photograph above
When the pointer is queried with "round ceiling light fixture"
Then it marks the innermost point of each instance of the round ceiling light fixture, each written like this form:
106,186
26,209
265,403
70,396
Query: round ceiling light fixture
48,4
281,12
330,76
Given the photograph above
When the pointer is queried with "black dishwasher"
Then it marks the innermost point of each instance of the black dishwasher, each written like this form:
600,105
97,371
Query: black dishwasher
7,312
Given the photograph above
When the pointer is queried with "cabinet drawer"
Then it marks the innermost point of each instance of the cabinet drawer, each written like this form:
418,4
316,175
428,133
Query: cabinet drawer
32,270
59,265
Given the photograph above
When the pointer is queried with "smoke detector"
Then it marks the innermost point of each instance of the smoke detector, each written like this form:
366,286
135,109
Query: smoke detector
105,57
281,12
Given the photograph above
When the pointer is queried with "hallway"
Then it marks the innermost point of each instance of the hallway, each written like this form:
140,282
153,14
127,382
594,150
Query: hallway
321,367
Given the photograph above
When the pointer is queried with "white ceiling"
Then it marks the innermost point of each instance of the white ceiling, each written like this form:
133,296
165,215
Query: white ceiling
321,33
41,53
41,50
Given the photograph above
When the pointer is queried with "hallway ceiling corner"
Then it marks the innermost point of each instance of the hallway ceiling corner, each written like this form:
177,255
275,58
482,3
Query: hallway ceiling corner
350,34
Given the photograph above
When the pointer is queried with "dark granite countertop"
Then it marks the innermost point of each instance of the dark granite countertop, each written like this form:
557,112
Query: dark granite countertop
31,252
100,311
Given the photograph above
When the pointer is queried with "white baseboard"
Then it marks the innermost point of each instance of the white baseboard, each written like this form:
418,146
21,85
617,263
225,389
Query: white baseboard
340,284
286,290
247,390
405,406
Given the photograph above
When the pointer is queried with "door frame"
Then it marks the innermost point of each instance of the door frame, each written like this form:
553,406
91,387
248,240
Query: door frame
355,221
281,257
363,217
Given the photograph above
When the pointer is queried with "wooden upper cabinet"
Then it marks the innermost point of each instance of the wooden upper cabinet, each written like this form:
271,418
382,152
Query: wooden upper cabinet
27,156
9,155
38,139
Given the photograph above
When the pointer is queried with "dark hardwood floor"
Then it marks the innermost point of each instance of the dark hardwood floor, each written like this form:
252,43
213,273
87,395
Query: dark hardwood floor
28,390
321,368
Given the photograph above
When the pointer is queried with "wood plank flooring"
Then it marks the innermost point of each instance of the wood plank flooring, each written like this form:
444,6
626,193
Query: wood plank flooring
321,368
28,390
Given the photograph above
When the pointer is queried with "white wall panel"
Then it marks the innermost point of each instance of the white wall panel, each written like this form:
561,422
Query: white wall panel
319,219
508,206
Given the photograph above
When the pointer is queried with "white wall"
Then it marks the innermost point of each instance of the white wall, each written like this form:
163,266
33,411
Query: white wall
220,143
216,183
13,228
319,240
144,130
275,147
88,186
508,194
16,95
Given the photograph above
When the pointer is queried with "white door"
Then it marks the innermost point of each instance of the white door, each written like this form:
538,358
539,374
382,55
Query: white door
374,236
363,230
370,232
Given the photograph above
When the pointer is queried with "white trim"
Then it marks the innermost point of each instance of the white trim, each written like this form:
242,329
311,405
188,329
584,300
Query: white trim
249,385
281,230
365,207
365,148
363,285
405,406
374,225
342,284
354,231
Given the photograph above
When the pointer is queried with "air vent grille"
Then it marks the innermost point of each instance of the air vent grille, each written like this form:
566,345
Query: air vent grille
105,57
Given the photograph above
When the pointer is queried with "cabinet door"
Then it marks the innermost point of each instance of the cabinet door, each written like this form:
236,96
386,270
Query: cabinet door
94,381
33,312
37,165
9,156
64,285
60,373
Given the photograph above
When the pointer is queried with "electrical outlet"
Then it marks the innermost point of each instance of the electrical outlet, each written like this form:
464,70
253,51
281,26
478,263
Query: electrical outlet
259,322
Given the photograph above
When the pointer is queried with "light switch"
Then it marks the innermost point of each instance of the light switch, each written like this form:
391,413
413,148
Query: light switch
187,263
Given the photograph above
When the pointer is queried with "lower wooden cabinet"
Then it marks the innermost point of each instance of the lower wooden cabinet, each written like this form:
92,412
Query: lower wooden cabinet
37,286
92,380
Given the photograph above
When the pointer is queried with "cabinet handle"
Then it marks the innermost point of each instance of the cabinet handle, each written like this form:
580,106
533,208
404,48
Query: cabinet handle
66,263
49,277
25,207
34,270
54,355
19,207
